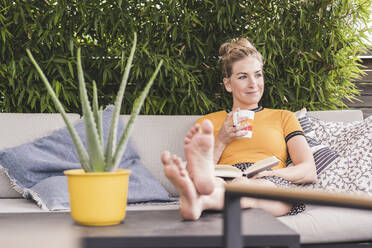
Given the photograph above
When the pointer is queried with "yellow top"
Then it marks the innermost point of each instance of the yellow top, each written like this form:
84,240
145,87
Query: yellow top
271,128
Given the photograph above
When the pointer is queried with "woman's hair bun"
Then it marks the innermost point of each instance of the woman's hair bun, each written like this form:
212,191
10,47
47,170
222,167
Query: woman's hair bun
235,50
239,43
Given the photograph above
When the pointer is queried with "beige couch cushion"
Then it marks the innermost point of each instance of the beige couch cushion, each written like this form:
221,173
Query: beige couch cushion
337,115
322,224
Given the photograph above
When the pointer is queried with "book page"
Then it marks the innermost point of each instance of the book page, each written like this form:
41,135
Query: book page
261,165
227,171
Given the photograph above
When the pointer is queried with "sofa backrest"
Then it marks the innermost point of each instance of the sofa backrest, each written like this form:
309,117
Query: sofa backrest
338,115
151,136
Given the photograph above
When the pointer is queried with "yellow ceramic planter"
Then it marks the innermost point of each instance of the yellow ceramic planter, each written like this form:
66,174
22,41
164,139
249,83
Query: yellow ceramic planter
98,199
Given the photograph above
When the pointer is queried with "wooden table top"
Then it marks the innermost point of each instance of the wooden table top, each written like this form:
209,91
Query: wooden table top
149,228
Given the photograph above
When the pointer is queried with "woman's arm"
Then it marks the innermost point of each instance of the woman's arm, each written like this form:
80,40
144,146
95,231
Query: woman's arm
304,170
218,150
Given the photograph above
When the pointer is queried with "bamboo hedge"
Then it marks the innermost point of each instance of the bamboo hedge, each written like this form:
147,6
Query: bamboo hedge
310,49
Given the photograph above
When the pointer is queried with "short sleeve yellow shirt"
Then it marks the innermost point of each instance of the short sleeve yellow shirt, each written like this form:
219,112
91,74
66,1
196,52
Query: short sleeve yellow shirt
271,128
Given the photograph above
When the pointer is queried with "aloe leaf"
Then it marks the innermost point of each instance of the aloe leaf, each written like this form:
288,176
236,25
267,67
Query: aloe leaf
135,110
97,113
95,149
111,141
83,156
100,111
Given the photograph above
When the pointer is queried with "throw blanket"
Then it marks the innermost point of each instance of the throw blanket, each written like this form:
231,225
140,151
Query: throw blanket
36,168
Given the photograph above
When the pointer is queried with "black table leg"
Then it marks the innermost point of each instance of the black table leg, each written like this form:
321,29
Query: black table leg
232,221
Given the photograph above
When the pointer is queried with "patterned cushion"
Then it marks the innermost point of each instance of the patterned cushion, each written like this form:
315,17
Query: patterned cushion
323,155
339,135
352,170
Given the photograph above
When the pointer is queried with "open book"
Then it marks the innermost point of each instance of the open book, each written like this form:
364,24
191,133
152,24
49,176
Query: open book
229,171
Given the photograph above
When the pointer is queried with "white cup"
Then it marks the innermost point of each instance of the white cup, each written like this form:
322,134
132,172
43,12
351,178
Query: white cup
239,118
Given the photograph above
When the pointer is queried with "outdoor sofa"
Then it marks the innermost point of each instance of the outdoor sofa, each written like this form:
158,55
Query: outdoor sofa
317,225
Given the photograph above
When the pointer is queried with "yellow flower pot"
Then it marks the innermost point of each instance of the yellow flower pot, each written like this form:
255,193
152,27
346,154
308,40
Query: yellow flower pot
98,198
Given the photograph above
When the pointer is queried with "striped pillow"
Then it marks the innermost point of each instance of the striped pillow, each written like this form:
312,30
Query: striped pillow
323,155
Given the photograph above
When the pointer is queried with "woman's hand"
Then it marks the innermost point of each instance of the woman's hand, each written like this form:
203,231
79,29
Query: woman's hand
226,134
228,131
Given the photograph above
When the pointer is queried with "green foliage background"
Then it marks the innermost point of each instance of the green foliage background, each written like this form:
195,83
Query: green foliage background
309,46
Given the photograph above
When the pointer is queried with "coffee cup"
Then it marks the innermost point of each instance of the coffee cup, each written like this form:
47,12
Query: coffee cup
242,117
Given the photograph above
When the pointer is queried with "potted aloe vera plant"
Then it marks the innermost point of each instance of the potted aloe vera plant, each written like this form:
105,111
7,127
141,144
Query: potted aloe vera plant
98,191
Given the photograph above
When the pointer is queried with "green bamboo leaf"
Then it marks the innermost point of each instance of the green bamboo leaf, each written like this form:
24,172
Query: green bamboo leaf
58,88
33,103
60,61
196,20
20,96
30,95
13,68
3,35
29,78
61,72
105,72
70,68
162,105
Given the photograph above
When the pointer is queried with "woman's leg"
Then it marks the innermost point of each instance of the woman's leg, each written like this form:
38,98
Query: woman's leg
276,208
198,189
192,204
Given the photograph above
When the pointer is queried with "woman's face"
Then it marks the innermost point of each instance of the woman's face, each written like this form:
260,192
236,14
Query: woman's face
246,83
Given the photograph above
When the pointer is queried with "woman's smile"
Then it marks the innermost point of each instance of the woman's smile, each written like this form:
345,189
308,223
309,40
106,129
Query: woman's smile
252,92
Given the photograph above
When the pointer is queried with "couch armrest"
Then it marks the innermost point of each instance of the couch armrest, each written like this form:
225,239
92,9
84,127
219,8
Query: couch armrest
234,191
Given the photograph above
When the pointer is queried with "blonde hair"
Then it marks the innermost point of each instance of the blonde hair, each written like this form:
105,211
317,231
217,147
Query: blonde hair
236,50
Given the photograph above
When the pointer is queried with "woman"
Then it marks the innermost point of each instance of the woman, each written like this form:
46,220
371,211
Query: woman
214,139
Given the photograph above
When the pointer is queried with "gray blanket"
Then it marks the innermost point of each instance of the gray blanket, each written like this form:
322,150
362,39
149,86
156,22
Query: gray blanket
36,168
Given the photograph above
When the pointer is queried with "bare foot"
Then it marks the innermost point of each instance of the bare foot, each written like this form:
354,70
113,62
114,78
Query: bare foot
198,148
190,202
